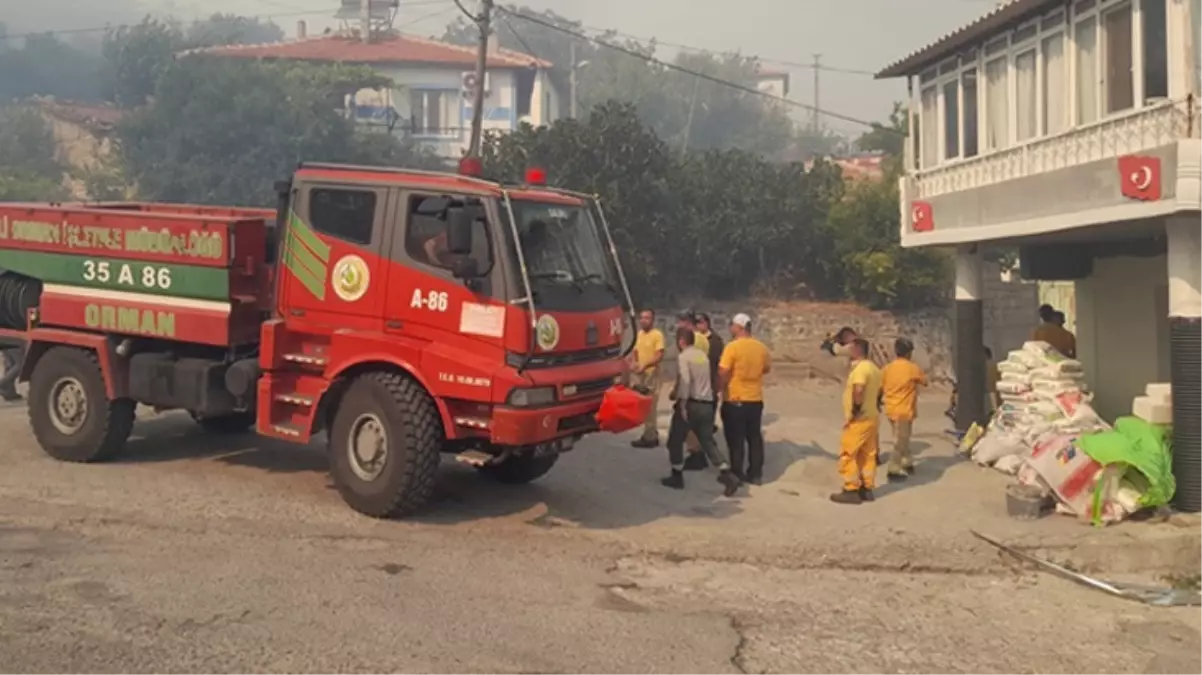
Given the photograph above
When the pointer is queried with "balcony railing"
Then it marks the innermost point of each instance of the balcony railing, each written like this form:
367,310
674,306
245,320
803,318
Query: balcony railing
1134,131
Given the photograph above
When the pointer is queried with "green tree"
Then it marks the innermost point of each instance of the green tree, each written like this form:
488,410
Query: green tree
222,130
889,139
683,110
609,153
231,29
29,167
877,271
135,57
44,65
715,222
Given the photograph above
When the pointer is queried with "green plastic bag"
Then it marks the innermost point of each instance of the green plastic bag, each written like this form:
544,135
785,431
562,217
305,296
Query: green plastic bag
1142,446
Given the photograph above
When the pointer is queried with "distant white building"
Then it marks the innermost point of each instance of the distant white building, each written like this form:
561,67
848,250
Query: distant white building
430,100
773,82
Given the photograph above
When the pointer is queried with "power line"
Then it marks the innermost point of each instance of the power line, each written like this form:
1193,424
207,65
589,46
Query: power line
689,71
763,59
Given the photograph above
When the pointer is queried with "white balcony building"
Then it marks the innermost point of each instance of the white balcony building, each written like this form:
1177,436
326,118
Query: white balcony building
1070,130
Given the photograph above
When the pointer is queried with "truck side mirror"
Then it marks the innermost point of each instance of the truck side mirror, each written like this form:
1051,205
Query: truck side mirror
465,267
459,232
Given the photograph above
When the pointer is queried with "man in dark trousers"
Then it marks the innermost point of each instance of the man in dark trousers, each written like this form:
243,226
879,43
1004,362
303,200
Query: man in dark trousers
693,411
13,357
745,361
696,461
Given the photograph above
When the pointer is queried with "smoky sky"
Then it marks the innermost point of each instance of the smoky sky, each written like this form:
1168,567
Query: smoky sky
850,34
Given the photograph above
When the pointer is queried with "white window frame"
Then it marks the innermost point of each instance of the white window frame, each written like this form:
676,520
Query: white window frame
1018,48
949,71
1137,58
450,98
1061,21
1048,30
927,80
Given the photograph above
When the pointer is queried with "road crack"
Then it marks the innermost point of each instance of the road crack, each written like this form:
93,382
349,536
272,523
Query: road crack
737,659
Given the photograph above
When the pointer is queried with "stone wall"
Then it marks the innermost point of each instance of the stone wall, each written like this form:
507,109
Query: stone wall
794,330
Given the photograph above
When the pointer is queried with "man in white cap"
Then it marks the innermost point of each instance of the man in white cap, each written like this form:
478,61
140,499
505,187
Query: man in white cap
745,361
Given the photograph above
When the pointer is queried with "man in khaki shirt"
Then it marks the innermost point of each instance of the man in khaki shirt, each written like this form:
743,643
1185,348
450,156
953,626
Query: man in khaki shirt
648,356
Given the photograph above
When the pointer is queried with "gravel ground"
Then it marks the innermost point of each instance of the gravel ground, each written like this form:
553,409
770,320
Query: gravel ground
195,553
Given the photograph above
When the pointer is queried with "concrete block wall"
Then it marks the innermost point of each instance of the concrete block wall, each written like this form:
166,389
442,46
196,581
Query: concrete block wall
794,331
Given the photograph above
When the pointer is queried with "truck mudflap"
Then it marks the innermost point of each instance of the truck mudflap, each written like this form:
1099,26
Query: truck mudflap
530,426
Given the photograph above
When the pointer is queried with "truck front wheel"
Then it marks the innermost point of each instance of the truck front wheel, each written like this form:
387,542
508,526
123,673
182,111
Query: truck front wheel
71,415
384,445
520,470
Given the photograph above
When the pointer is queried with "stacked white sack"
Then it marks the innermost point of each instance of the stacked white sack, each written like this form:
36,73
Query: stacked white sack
1156,407
1042,394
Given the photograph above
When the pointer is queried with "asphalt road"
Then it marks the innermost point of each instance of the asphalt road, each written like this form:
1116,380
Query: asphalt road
194,553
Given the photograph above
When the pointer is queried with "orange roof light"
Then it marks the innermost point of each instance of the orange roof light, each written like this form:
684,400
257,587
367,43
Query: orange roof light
471,166
536,176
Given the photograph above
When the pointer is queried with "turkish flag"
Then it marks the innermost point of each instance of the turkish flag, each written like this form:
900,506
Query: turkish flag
1139,177
922,217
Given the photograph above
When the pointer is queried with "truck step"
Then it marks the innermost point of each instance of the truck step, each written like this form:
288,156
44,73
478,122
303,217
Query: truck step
294,399
306,359
286,430
474,458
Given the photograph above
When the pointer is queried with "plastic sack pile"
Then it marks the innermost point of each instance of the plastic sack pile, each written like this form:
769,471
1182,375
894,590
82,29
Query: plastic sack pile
1046,433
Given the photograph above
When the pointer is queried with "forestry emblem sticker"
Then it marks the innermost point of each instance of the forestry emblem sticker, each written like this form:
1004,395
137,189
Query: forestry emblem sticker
350,278
547,332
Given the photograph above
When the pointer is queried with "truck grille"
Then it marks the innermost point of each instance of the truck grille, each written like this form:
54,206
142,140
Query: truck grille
570,358
588,388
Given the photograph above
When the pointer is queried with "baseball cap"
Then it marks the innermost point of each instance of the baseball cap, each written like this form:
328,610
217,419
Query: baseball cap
741,320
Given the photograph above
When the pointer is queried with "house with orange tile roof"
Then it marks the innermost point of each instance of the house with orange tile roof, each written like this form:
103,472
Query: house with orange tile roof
430,99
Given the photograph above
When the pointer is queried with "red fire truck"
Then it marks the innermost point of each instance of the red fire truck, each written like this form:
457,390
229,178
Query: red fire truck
404,313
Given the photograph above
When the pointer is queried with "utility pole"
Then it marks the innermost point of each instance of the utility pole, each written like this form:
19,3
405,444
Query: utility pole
572,80
688,126
484,23
815,121
365,20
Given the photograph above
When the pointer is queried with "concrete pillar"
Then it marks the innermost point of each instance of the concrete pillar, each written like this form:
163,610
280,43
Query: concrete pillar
1184,234
970,340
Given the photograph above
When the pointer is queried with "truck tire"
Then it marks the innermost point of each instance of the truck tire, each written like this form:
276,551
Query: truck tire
384,445
69,410
232,423
520,470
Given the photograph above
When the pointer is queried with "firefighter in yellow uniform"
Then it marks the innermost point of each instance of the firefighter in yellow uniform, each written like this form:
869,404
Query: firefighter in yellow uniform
860,441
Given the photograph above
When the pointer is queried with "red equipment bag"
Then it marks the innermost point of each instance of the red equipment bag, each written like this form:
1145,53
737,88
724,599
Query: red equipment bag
623,409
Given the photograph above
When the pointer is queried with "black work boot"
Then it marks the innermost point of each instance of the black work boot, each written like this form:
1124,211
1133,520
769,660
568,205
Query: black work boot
696,462
675,481
11,396
732,482
645,443
866,495
847,497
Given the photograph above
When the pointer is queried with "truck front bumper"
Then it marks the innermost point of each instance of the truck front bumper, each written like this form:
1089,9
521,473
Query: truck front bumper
532,426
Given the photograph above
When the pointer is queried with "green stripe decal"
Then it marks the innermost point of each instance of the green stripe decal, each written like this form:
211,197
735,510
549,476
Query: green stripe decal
308,279
303,232
306,258
187,281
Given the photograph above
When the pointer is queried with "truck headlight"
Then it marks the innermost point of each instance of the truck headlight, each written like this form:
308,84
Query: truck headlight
534,396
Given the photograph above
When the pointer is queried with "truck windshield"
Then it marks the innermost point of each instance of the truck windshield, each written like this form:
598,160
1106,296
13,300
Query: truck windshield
561,243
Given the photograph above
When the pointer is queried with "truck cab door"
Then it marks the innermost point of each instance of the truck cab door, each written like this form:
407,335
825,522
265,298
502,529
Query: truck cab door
461,323
331,269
